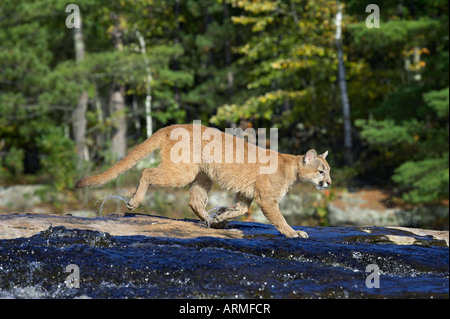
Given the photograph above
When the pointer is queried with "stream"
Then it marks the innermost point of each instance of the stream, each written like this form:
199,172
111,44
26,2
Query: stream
340,262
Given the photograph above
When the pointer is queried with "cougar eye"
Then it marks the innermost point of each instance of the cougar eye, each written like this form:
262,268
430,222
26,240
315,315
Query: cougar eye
321,172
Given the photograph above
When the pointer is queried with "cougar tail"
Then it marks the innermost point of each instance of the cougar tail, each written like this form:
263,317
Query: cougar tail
136,155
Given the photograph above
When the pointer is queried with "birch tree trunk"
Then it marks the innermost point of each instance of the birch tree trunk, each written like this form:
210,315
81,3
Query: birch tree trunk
117,110
79,122
148,86
176,40
348,143
117,105
227,49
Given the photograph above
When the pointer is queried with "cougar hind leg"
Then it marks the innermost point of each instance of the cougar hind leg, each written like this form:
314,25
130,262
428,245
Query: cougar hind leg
163,177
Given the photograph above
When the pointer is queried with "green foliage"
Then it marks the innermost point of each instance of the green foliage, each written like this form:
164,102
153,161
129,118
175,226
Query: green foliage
12,163
404,125
386,132
438,101
393,35
287,65
426,180
268,63
425,175
58,157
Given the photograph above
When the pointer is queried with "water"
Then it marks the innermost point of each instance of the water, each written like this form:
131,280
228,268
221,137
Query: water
109,197
330,264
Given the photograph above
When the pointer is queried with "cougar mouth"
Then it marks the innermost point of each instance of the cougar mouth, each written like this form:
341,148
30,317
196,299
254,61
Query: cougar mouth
322,185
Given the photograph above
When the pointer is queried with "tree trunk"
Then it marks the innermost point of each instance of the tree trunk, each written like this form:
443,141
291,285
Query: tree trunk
117,111
137,121
148,86
176,40
348,143
79,122
117,105
227,49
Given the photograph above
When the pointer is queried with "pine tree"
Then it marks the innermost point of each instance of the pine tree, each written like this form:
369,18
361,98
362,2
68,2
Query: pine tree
28,124
288,63
407,130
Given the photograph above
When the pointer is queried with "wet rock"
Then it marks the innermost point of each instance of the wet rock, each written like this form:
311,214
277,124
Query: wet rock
438,234
127,224
138,256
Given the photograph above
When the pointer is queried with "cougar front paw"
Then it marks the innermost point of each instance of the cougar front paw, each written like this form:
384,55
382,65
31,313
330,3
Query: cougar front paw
297,233
133,204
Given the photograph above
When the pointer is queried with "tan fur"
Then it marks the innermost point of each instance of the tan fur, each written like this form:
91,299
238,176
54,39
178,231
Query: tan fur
244,179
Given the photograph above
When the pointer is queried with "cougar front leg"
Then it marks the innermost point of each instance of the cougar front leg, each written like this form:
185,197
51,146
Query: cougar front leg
270,208
198,191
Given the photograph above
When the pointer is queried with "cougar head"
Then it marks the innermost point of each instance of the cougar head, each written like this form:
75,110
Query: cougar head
315,169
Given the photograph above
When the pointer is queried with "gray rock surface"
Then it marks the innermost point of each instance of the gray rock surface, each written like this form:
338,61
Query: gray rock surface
369,207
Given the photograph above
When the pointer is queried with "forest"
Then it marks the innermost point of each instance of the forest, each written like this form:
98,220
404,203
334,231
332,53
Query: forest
84,81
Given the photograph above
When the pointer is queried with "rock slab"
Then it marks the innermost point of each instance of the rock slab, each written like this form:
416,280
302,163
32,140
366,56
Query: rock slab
127,224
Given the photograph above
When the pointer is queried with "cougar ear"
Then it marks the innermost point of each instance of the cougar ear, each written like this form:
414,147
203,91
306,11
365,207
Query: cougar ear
324,155
309,157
